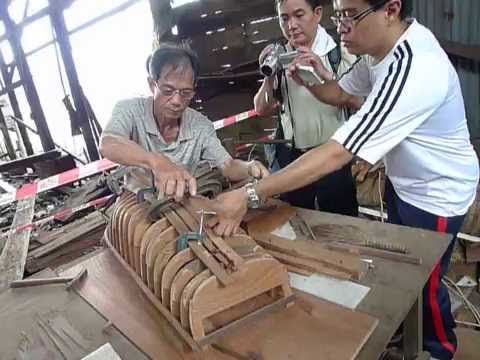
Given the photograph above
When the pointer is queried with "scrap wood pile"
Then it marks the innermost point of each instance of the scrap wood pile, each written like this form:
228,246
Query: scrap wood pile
61,230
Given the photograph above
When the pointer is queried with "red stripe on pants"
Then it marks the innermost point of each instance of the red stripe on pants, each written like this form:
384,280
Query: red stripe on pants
434,282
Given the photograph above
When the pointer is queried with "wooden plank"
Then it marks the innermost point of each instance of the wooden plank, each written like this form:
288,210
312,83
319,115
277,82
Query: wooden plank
211,263
271,220
316,330
183,277
331,331
363,250
338,261
307,265
69,233
14,253
138,314
193,205
259,276
394,285
264,311
20,308
173,267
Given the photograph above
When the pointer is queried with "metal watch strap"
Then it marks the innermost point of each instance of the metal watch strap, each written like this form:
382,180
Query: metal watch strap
253,199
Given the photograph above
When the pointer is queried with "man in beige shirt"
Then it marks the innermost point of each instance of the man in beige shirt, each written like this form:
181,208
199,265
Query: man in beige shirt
304,120
162,134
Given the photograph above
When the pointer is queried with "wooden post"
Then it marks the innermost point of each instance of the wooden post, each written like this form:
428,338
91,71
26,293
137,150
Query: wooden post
7,79
26,77
61,32
6,137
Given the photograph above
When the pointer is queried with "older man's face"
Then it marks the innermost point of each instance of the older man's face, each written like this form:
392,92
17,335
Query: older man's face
173,91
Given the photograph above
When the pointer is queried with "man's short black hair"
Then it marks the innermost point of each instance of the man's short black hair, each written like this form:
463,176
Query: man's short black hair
406,7
313,3
175,55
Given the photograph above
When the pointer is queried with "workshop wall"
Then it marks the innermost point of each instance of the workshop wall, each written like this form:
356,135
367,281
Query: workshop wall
456,21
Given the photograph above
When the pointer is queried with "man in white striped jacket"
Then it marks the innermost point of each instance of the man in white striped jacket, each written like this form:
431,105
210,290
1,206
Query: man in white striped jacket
413,118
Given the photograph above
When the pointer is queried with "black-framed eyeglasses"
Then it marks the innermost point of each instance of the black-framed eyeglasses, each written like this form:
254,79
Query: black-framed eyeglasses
167,91
348,22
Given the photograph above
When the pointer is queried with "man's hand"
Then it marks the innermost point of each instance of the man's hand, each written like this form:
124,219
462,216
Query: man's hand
306,57
257,170
230,207
171,179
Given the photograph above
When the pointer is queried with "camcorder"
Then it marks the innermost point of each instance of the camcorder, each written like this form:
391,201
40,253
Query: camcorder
279,59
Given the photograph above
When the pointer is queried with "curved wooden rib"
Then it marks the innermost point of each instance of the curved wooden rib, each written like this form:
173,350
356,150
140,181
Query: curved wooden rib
188,294
154,249
257,277
139,232
121,224
183,277
126,230
168,251
172,268
135,220
147,238
118,206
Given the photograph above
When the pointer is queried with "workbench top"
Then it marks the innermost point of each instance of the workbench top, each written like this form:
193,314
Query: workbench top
395,286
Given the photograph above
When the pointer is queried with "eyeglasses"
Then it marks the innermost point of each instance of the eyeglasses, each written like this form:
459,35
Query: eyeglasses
185,94
348,22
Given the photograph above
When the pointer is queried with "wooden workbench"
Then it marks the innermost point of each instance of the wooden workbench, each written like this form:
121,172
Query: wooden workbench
395,286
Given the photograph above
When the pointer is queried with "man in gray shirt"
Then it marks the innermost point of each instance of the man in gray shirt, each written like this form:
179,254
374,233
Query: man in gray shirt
161,133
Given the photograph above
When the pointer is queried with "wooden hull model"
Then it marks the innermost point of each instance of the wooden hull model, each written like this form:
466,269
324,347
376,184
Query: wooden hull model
215,277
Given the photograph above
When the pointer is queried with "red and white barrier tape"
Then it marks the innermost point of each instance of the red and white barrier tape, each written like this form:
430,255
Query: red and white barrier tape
55,181
220,124
246,146
58,215
93,168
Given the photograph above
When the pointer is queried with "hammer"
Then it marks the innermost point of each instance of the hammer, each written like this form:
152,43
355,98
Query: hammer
68,280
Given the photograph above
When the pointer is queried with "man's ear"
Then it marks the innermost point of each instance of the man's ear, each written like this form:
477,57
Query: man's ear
394,8
318,12
151,84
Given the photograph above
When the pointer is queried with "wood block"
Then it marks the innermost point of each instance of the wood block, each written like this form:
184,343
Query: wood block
271,220
256,277
183,277
173,267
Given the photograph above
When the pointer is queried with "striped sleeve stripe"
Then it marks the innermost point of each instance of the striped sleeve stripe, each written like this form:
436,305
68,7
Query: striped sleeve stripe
350,68
379,96
395,99
354,141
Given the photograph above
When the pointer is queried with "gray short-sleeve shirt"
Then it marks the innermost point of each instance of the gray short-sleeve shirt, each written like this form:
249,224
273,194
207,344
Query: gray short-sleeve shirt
197,141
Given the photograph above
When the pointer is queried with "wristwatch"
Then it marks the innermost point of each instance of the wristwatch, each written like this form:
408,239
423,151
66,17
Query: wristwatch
253,200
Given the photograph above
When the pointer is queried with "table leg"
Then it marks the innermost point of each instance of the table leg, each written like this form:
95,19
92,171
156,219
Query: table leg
413,331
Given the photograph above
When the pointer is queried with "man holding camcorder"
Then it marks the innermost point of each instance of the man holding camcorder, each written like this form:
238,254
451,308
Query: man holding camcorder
305,121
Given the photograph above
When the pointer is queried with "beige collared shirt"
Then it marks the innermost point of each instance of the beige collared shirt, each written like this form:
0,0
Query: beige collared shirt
314,122
197,141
